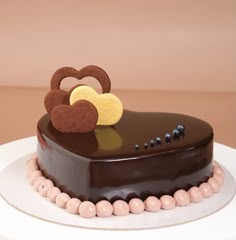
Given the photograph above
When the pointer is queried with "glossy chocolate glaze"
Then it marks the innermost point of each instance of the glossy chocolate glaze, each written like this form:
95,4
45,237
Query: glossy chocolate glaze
104,164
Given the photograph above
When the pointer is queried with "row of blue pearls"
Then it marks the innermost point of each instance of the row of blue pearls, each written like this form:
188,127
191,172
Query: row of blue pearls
176,133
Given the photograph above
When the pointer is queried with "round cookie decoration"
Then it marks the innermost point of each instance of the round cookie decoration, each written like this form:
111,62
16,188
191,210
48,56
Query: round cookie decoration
81,109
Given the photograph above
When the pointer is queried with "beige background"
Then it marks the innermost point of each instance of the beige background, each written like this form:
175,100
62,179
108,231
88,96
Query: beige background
174,56
164,45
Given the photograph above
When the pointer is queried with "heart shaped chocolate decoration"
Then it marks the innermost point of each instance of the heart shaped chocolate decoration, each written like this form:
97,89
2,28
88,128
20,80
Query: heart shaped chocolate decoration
89,71
58,96
79,117
109,107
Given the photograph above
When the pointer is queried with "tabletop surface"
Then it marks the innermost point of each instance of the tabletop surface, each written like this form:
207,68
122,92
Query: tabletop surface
21,108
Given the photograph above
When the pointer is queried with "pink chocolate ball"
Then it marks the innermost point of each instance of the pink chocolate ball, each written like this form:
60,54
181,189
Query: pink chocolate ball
219,178
167,202
136,205
152,204
206,190
30,169
218,170
120,208
37,182
181,198
104,208
45,186
35,174
72,206
214,184
215,164
34,155
32,161
62,199
195,195
53,193
87,209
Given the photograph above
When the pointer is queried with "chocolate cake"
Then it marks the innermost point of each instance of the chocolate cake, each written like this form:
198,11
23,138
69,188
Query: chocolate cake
134,158
141,154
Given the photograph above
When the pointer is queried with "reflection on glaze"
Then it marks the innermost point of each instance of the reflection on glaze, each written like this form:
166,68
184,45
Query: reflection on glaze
133,128
108,138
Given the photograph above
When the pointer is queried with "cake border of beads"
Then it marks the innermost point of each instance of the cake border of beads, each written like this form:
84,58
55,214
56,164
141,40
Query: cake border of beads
104,208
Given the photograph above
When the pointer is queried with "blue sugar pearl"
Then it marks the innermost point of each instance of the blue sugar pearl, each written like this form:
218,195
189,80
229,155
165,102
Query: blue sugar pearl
145,145
175,133
158,141
152,143
168,137
136,147
181,128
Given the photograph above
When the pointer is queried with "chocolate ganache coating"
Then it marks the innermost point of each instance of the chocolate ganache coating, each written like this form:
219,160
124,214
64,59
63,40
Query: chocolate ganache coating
130,159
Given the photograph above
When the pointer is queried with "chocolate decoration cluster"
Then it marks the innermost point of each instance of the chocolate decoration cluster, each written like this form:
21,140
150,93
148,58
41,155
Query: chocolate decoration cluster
176,134
81,109
103,164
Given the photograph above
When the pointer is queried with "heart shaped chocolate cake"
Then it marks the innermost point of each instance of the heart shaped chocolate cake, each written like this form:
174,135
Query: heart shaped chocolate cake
117,154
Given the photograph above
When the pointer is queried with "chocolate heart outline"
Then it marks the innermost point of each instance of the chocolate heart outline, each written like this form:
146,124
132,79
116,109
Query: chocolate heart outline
59,96
88,71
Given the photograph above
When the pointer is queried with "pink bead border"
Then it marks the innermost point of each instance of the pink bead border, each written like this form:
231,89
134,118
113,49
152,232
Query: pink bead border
104,208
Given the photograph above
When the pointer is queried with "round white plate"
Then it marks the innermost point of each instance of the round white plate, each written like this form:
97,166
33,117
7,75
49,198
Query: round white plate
16,190
19,194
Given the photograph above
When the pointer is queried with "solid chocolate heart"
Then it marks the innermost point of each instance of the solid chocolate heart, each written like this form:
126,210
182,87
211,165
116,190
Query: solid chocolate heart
55,98
80,117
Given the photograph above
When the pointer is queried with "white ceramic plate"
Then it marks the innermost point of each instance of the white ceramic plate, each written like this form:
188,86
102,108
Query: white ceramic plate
15,189
19,194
